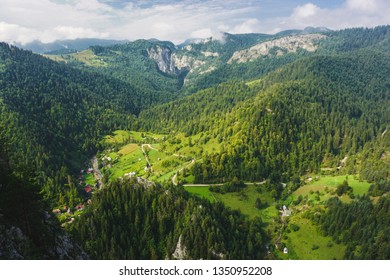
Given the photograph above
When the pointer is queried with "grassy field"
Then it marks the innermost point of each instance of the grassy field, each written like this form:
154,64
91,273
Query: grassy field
165,158
202,192
318,191
127,149
169,154
359,187
308,243
131,162
86,56
243,201
192,146
121,137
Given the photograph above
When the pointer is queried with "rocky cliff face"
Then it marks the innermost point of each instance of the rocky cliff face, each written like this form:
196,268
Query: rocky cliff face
278,47
180,251
187,62
13,243
175,63
16,245
163,57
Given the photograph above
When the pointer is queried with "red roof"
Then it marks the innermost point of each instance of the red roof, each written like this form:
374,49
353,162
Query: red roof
88,189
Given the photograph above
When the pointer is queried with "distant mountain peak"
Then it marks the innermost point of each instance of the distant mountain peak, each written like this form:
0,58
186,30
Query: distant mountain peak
59,45
311,29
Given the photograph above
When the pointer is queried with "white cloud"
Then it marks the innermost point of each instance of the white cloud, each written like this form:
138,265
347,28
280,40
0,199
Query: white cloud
14,33
176,20
162,29
363,5
69,32
47,21
350,13
306,10
248,26
202,33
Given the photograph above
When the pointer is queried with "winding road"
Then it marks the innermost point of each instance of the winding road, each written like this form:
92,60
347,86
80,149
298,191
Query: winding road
174,178
180,170
143,151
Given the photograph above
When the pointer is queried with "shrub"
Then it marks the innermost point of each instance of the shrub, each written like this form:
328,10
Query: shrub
294,227
343,188
315,247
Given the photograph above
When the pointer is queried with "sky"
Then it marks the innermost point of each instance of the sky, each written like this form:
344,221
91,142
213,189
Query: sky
24,21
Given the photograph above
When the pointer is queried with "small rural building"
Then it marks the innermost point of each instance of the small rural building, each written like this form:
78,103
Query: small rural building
88,189
80,207
286,211
131,174
285,250
57,211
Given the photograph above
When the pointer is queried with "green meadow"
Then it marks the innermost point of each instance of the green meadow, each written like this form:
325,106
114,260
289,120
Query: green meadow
320,190
305,241
202,192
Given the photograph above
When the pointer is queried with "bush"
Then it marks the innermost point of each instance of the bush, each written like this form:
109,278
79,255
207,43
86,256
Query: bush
379,188
258,203
343,188
315,247
294,227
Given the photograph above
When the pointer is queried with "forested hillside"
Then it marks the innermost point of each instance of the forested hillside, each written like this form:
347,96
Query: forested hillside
362,225
53,115
310,113
130,221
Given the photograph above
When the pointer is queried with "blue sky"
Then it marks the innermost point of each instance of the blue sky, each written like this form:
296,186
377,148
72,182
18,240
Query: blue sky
177,20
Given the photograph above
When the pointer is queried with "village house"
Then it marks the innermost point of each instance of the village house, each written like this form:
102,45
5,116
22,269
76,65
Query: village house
286,211
80,207
89,170
88,189
56,211
131,174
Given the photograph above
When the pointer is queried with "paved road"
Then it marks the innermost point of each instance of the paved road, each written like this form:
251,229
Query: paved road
96,172
220,184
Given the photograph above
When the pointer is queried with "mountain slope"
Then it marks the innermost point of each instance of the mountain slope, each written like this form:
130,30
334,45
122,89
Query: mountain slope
154,222
314,110
55,115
